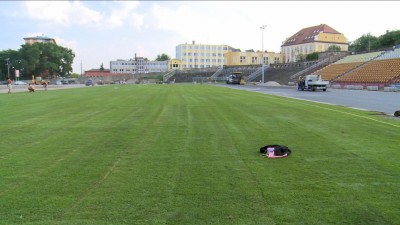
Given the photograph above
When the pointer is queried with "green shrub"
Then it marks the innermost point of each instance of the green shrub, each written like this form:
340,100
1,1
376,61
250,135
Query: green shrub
312,56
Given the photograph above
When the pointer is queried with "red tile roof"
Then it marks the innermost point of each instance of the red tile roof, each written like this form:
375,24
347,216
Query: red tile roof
306,35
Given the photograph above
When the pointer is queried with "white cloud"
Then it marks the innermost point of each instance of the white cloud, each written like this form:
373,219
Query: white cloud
63,13
188,20
237,23
208,22
72,44
67,13
124,11
173,19
136,20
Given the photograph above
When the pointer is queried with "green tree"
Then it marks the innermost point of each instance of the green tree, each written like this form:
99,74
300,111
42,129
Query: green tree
74,75
101,66
162,57
11,58
30,55
334,48
312,56
369,42
300,57
390,38
366,42
41,59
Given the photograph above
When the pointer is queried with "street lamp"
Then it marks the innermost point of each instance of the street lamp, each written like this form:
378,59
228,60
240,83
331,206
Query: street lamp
369,42
262,52
8,67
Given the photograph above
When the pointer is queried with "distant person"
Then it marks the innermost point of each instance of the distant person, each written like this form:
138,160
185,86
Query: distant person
44,83
9,85
31,88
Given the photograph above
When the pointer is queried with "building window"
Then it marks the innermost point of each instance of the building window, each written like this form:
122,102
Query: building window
265,60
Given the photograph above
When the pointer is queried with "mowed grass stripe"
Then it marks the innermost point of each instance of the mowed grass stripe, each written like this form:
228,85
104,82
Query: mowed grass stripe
188,154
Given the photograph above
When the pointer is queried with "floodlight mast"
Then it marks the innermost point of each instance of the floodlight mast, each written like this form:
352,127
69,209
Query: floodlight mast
262,52
8,67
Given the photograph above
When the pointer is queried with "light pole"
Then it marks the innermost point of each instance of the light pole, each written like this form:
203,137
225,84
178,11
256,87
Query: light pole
262,52
369,42
8,67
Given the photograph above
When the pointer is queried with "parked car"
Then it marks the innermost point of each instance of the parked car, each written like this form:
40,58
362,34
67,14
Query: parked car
58,82
235,78
89,83
19,82
3,82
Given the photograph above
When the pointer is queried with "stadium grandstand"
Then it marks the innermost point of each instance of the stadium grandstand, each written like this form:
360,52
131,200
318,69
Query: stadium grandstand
381,71
345,65
282,73
188,75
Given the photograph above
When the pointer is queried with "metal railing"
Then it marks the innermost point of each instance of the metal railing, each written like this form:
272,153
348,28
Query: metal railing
168,75
257,73
306,70
215,76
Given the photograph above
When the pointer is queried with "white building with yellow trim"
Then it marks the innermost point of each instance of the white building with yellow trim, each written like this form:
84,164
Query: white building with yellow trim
249,57
312,39
200,55
174,64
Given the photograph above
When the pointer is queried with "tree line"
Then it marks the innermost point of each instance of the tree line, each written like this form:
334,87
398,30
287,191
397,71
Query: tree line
368,42
46,60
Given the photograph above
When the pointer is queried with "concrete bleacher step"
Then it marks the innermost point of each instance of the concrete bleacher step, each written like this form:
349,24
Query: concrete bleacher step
372,88
390,89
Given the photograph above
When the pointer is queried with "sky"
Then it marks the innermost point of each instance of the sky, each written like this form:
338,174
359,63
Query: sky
102,31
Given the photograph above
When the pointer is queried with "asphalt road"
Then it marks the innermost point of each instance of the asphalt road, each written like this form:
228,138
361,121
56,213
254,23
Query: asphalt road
377,101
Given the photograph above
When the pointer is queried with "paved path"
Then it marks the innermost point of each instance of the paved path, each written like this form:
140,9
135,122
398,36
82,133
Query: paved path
379,101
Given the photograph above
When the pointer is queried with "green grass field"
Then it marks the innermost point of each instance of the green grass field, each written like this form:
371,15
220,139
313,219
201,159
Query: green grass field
189,154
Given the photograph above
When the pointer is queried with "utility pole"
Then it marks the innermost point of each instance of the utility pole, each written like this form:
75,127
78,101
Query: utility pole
369,42
262,52
81,70
8,67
